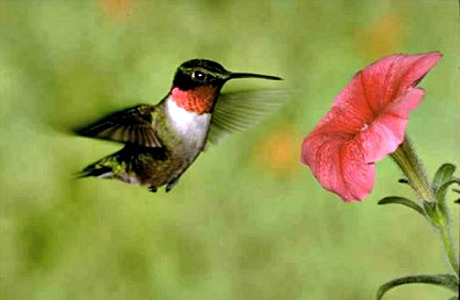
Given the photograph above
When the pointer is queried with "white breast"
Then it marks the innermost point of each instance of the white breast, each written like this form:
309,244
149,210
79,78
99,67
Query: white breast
191,126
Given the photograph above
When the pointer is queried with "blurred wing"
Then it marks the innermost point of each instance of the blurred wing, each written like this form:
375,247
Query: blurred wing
133,125
239,111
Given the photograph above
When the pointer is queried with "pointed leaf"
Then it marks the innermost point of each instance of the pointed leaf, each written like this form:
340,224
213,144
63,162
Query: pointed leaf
403,201
444,280
442,190
443,174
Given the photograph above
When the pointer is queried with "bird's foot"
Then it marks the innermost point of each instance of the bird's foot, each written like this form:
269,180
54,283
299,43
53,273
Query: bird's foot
171,184
153,189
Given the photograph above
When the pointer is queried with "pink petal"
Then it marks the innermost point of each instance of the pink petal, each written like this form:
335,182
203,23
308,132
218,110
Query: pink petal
339,167
367,121
386,133
389,78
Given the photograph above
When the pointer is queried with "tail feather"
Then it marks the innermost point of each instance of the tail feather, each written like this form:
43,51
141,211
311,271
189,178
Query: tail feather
95,170
104,168
112,166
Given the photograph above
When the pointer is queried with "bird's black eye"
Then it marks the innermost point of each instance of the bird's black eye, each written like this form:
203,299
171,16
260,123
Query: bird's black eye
198,75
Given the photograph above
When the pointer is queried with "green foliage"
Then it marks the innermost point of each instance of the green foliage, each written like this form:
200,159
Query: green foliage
247,221
447,281
403,201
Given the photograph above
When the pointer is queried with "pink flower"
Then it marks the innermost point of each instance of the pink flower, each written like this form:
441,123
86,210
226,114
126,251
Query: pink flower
366,122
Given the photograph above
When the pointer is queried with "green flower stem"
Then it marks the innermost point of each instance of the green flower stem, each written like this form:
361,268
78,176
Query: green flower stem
448,245
407,160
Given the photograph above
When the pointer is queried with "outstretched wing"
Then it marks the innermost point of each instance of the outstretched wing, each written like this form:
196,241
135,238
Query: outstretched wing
133,125
238,111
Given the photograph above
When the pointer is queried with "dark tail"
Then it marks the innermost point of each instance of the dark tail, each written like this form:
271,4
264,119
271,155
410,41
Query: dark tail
95,171
102,168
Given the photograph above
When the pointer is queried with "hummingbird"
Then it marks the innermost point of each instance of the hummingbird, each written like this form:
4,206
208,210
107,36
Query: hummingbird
161,141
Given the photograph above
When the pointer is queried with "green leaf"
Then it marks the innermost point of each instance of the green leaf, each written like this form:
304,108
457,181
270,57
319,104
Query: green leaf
442,190
443,174
403,201
444,280
431,209
441,195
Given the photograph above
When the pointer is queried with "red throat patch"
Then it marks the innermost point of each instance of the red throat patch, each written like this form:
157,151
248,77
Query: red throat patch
199,100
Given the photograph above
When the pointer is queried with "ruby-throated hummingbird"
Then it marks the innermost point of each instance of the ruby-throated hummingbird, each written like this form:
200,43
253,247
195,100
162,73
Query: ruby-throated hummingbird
163,140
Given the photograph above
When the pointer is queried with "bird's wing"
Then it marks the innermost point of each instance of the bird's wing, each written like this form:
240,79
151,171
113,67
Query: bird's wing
238,111
133,125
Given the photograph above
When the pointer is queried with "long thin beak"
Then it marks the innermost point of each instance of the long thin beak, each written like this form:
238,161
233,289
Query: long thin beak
250,75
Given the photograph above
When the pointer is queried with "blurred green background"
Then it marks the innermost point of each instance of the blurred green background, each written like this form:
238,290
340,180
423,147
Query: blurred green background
247,221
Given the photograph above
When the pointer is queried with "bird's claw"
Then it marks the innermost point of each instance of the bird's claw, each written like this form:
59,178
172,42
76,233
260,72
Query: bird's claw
171,184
